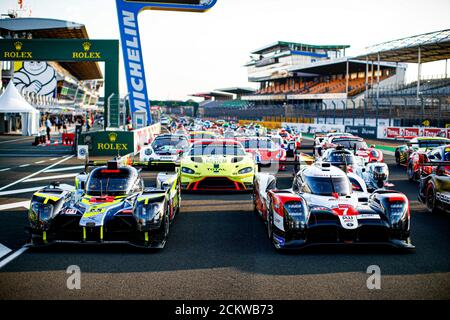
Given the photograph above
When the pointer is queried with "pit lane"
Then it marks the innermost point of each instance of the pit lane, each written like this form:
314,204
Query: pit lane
218,249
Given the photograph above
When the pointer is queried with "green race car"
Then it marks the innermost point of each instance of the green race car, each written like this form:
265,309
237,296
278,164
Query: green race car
218,165
420,144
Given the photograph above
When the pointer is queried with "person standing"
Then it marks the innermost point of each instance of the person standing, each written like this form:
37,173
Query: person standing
48,125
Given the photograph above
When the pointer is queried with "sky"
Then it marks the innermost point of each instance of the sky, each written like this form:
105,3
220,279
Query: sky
187,53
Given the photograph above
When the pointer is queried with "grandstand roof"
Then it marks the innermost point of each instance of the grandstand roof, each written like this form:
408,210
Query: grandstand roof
434,46
237,90
213,94
338,66
42,28
297,44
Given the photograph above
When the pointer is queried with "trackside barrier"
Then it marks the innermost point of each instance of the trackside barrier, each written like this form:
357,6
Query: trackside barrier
406,133
266,124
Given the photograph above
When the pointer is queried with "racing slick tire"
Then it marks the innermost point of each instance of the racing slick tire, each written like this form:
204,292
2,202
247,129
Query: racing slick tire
163,232
254,201
397,158
430,199
412,175
269,225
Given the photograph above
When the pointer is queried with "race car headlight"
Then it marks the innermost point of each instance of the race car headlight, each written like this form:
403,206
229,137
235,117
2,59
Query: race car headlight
187,170
44,212
296,215
148,214
148,152
398,211
245,170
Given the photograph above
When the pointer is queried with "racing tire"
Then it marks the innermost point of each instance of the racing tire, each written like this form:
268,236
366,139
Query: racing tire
254,202
163,232
269,224
430,199
412,176
397,158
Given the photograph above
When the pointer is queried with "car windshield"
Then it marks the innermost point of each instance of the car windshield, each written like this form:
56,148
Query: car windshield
105,182
326,186
169,143
202,136
217,150
259,144
430,143
350,144
341,157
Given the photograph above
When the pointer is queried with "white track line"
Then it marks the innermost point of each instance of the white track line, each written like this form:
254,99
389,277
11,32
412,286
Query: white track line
13,256
6,193
36,173
6,169
54,159
61,176
64,169
39,162
4,250
9,141
21,204
24,165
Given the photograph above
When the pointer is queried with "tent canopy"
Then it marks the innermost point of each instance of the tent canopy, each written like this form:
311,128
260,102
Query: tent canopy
11,101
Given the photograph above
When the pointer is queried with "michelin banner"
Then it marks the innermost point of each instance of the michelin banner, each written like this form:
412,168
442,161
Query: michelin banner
127,12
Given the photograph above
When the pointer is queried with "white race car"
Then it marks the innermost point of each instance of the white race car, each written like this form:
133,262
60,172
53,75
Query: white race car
165,148
323,208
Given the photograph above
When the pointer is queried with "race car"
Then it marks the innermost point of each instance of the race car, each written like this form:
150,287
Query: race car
217,165
434,188
108,205
341,158
415,167
370,154
322,209
420,144
165,148
264,150
201,135
347,141
375,175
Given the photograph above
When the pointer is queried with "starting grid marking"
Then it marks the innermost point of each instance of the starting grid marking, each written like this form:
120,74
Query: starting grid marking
29,164
65,158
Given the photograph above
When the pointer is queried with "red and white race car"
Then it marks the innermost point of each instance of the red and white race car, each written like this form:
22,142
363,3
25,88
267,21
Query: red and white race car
264,150
370,154
322,209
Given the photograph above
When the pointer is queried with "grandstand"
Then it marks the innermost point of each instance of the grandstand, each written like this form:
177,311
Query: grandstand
296,72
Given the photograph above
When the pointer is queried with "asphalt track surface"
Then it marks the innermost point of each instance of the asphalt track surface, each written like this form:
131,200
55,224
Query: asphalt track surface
218,249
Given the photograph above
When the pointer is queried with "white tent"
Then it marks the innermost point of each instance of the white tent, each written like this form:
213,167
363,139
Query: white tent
11,101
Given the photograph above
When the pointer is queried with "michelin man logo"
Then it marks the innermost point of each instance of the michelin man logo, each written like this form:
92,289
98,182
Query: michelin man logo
36,76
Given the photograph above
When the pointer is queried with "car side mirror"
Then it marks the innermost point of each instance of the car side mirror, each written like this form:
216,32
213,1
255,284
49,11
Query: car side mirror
431,157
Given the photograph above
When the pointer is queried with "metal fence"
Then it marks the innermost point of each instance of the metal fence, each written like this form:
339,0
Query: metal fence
403,111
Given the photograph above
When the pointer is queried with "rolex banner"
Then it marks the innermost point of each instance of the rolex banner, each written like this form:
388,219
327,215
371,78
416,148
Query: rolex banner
119,143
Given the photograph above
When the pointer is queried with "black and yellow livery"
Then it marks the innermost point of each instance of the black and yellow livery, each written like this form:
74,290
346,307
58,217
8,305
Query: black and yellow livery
109,205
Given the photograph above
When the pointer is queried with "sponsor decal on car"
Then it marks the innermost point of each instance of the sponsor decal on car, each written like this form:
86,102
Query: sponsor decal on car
349,222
